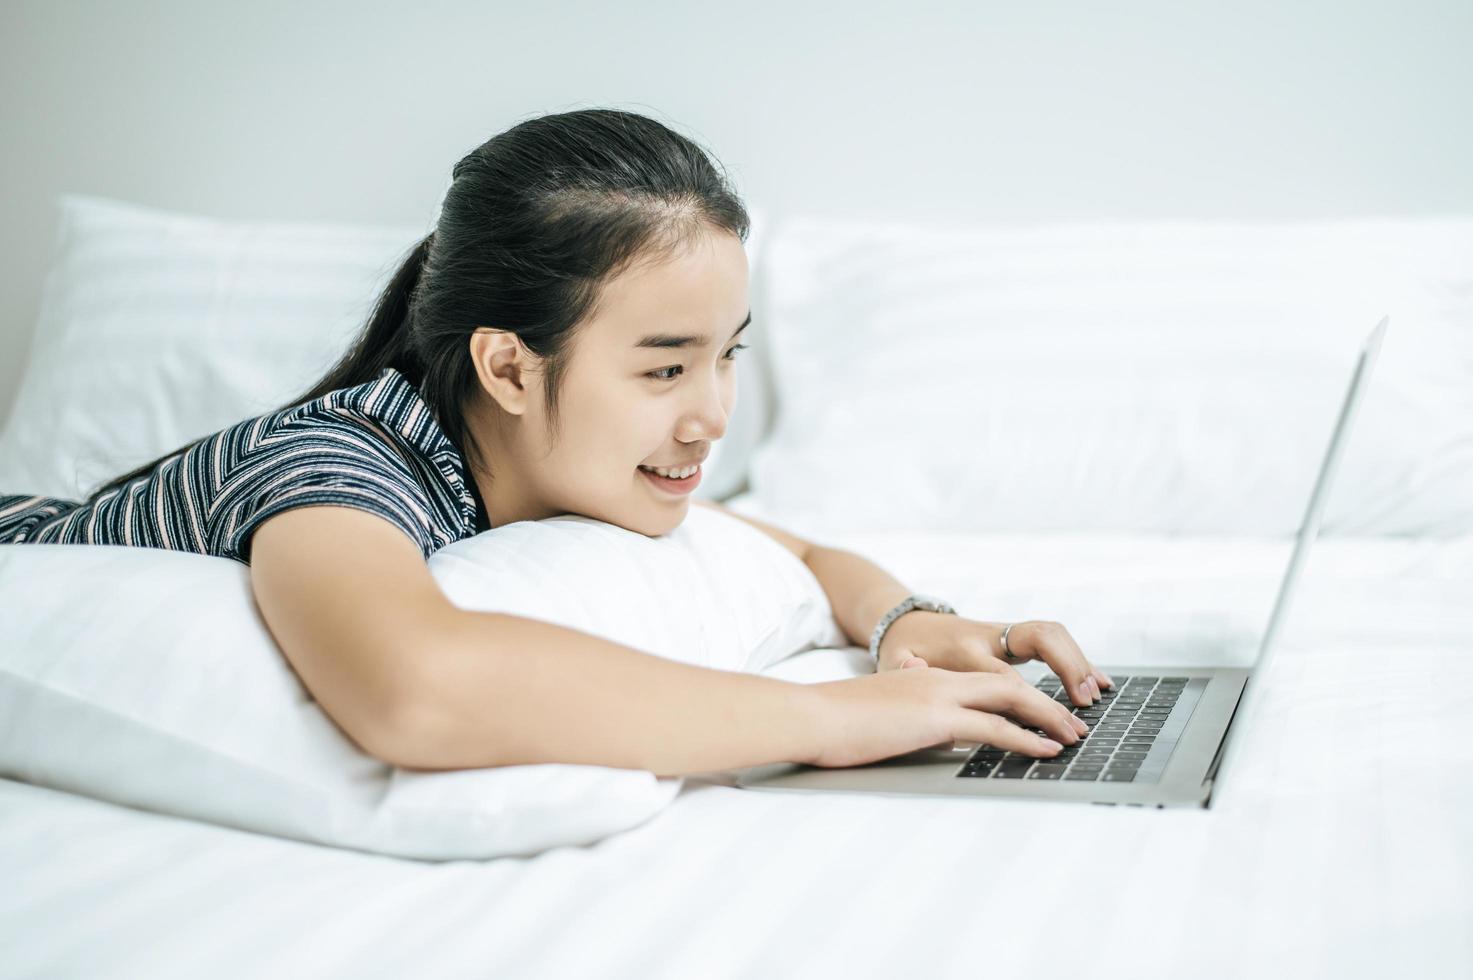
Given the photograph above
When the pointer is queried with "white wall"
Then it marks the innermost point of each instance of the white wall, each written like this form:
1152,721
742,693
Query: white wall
1008,111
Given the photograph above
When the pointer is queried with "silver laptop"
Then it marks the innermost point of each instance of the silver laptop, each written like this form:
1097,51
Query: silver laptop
1160,737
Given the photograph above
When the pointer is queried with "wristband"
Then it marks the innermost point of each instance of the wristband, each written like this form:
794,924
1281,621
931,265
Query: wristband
917,601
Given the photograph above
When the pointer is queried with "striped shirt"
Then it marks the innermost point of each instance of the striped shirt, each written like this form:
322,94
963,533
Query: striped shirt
375,447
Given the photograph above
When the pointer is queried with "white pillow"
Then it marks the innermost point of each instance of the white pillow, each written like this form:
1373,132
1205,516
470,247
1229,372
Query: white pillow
170,695
1165,377
157,327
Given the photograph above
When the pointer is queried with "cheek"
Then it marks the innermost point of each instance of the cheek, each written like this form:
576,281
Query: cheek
627,430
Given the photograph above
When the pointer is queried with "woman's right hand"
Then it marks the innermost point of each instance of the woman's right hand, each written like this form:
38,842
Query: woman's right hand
892,712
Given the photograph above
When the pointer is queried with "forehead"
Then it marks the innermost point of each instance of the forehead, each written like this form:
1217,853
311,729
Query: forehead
699,293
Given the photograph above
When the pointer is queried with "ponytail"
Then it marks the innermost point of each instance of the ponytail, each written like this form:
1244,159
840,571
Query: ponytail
535,221
386,341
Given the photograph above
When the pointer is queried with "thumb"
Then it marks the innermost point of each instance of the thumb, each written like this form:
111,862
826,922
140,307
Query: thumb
914,662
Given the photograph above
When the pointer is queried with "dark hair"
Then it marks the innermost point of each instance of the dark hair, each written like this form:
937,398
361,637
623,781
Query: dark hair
536,219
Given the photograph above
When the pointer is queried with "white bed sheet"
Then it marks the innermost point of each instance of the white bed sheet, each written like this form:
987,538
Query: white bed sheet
1342,846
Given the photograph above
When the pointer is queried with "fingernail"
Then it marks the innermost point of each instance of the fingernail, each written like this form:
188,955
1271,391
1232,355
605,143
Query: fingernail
1049,743
1084,689
1109,681
1079,724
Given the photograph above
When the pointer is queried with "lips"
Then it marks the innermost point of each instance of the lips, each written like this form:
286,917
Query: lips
671,485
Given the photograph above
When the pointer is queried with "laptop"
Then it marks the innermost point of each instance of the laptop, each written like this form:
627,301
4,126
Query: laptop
1160,737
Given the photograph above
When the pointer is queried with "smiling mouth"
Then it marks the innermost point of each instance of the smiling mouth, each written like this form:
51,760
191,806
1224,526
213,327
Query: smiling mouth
651,472
671,485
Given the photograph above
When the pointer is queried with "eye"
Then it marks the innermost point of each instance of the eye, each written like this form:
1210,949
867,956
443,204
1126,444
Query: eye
660,376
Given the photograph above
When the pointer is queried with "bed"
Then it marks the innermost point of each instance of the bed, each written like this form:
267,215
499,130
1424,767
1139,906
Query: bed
1340,846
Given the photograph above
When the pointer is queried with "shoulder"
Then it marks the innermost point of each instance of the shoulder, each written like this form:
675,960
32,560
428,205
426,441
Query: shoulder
380,422
363,445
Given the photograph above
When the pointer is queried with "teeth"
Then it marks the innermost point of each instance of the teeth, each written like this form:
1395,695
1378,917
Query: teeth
680,474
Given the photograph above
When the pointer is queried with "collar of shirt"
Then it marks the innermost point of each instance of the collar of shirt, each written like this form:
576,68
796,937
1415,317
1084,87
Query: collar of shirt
394,400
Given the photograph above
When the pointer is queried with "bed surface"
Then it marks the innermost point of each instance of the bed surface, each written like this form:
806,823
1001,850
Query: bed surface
1341,846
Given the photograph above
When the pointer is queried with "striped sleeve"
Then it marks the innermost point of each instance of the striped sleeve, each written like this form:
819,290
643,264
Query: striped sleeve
313,467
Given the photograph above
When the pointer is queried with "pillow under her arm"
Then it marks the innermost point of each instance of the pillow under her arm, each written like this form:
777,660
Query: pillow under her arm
171,696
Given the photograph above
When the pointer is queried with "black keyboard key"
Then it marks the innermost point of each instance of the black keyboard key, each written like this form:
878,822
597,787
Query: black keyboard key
1118,777
1088,774
1047,772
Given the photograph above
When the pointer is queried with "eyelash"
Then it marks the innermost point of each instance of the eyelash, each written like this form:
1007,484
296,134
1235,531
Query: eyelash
657,374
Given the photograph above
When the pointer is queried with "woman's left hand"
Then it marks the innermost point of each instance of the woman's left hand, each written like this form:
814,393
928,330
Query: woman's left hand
951,642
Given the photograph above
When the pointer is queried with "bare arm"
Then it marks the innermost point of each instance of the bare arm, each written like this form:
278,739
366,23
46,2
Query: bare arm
420,683
508,690
858,590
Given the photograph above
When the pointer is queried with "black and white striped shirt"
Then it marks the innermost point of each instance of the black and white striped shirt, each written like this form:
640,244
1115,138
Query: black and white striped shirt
375,446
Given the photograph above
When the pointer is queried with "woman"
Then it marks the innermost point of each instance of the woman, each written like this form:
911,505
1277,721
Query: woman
520,366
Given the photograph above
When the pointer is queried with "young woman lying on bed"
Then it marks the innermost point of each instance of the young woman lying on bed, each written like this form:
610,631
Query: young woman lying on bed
569,325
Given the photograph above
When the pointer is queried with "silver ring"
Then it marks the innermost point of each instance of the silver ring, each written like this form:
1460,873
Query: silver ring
1005,651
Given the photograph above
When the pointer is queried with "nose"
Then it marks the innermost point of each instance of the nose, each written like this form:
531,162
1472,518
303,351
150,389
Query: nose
708,419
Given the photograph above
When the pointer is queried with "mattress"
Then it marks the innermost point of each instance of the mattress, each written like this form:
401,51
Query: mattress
1342,845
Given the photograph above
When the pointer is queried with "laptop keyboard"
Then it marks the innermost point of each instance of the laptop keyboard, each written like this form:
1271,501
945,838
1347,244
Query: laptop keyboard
1123,728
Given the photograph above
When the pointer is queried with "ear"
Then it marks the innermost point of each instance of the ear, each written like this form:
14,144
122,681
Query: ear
504,367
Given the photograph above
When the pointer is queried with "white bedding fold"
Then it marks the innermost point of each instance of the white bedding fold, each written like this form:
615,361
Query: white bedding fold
1341,847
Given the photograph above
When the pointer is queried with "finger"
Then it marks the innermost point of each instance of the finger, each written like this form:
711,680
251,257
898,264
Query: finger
1104,679
994,730
1070,718
1076,682
1032,705
1053,645
914,662
1063,654
1015,696
1075,722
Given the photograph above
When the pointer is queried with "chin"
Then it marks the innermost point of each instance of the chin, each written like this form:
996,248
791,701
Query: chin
671,524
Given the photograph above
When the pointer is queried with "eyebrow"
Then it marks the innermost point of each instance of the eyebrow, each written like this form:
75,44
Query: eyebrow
663,340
